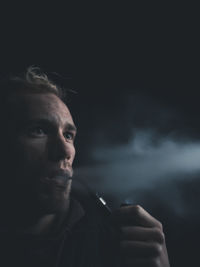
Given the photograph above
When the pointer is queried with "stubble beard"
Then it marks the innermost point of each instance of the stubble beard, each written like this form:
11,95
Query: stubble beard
57,201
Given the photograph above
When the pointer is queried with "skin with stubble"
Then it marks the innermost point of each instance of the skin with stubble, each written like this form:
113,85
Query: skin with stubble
42,134
38,153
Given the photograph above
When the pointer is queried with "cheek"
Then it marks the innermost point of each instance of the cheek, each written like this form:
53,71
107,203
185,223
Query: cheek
30,153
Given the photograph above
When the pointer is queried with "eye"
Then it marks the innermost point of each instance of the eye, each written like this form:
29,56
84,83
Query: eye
69,135
36,131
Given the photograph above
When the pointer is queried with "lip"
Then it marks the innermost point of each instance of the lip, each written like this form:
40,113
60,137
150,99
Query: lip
58,178
59,173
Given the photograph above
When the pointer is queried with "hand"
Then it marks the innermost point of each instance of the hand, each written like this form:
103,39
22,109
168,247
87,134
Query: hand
142,241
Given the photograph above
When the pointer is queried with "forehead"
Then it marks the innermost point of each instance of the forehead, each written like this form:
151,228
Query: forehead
47,106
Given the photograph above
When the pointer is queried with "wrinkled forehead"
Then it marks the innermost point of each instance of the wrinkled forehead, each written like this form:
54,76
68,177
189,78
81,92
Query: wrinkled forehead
31,106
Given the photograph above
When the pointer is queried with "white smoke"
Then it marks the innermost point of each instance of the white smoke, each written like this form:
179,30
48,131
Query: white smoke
141,165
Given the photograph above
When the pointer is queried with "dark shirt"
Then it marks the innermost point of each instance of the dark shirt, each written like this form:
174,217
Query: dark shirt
84,240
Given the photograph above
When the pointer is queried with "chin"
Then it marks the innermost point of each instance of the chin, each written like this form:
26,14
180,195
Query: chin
53,207
56,200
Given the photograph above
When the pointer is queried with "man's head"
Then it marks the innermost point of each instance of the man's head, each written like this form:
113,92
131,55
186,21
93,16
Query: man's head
37,143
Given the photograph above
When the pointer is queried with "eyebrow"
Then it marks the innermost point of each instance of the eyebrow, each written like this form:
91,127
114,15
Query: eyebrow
71,127
67,125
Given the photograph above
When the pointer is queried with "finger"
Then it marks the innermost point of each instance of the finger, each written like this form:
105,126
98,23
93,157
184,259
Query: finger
134,215
135,249
137,233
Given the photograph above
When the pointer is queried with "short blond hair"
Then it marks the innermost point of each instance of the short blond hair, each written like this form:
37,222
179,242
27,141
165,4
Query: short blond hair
33,80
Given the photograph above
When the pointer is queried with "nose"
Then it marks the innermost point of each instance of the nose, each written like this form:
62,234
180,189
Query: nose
60,150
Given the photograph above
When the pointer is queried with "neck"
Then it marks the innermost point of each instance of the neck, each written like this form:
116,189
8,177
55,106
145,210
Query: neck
34,224
42,226
47,224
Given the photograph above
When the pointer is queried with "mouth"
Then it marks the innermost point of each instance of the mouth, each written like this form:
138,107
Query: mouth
58,179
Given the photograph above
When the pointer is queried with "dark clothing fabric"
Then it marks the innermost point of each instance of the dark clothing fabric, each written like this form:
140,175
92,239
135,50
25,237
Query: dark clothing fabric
85,240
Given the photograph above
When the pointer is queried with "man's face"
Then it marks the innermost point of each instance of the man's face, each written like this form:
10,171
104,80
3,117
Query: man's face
41,136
